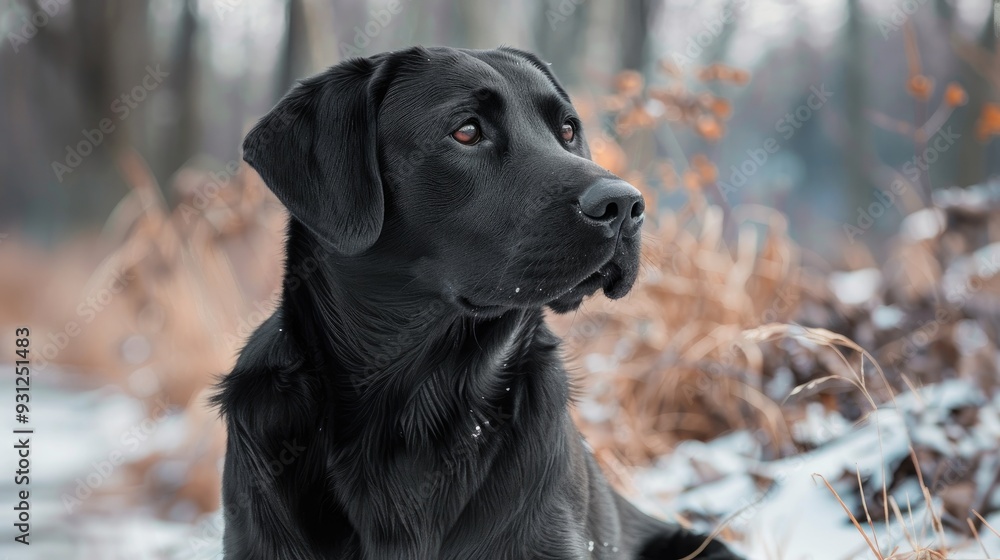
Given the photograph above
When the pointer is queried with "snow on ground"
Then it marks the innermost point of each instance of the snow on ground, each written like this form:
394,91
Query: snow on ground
780,507
76,434
793,515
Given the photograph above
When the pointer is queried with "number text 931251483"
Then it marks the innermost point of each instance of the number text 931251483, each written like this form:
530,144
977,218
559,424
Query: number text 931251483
22,434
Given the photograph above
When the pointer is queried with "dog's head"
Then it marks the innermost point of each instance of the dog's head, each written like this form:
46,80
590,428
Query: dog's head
468,169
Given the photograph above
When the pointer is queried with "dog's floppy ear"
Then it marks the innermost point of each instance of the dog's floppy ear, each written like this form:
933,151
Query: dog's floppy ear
316,150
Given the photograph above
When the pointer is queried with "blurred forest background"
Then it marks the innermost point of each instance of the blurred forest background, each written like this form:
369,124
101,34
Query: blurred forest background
809,362
227,61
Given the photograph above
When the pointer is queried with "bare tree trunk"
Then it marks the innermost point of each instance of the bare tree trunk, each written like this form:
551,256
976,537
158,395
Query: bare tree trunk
859,147
295,62
971,159
560,29
181,139
77,72
634,33
716,51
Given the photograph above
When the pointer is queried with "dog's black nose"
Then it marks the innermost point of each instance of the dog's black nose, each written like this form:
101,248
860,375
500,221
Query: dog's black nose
614,204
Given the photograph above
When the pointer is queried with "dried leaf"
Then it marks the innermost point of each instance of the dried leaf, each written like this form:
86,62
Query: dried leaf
989,121
721,108
629,83
709,128
955,96
920,87
706,170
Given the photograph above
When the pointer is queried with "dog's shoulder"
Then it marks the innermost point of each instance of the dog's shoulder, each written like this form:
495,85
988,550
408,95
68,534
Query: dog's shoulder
270,384
270,402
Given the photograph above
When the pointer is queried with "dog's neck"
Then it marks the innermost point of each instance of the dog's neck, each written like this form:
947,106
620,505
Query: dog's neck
395,351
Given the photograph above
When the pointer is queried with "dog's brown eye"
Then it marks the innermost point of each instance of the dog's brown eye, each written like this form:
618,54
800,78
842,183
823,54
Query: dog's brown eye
567,132
468,134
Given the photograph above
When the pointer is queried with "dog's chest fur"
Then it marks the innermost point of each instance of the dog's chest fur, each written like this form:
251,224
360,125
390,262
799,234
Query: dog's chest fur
460,464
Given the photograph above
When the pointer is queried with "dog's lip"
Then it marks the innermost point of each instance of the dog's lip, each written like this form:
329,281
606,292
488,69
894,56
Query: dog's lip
607,277
610,276
595,277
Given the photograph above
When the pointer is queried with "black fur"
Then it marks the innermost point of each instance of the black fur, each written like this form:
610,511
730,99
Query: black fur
407,400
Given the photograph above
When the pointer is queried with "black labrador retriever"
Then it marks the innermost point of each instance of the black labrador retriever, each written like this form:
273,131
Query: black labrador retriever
407,401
